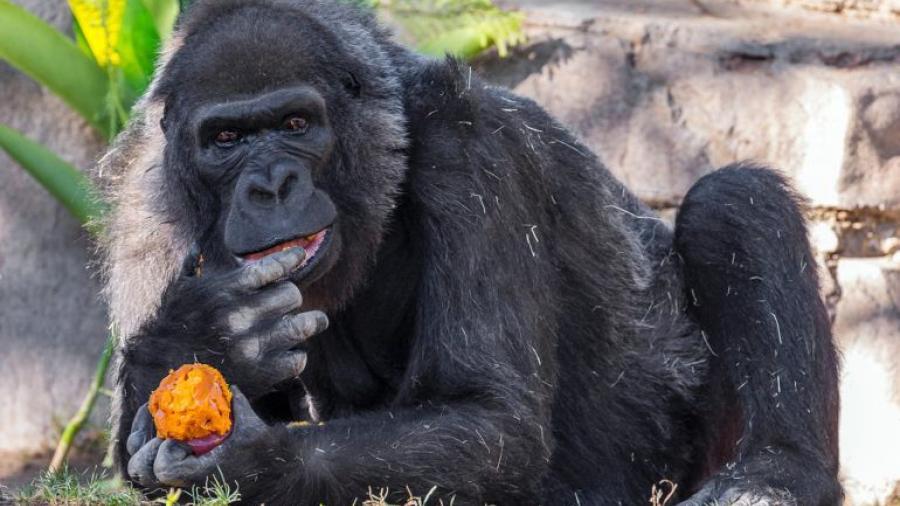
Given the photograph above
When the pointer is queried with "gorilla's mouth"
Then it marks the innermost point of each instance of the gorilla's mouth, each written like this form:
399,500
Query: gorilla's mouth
312,244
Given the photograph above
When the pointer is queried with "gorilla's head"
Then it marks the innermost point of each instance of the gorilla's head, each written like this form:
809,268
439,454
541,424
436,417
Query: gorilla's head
283,131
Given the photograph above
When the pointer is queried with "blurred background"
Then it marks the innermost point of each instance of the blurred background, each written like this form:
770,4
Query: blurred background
663,90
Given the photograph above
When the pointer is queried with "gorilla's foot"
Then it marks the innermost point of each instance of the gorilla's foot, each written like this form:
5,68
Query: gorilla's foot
717,494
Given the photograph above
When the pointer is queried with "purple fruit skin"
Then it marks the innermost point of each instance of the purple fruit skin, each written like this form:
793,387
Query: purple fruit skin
206,444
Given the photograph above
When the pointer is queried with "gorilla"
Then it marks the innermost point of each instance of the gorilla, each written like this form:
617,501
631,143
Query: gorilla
449,288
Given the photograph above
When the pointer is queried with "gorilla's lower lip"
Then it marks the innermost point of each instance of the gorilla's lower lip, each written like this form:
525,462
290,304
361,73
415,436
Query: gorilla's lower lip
310,243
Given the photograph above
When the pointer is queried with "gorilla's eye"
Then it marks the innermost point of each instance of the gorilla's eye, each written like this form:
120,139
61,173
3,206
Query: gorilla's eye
227,138
296,124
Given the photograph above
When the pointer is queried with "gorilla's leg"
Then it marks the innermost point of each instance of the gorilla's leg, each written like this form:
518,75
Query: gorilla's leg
772,393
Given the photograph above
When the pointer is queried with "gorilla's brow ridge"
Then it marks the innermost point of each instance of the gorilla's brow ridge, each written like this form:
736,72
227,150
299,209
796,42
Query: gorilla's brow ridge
262,111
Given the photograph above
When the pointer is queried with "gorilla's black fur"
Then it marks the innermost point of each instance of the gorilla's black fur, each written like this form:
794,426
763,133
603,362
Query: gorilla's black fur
507,322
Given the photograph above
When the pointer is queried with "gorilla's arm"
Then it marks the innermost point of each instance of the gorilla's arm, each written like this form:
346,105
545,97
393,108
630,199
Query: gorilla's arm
473,451
473,423
474,404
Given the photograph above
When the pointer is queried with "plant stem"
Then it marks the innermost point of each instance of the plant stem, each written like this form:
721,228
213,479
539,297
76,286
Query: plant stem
87,405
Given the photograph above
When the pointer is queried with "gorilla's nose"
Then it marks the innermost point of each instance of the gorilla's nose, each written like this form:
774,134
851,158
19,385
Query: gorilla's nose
282,183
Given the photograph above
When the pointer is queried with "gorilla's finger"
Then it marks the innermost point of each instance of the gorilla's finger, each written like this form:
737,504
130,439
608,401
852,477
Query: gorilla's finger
140,466
142,429
288,364
244,415
191,265
172,466
271,268
280,299
293,330
283,335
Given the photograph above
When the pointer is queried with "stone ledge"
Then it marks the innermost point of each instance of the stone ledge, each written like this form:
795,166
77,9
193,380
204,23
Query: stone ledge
880,9
866,325
666,92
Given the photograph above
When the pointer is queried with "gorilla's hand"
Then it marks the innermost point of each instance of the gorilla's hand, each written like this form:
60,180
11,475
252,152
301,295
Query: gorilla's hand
725,489
243,321
251,447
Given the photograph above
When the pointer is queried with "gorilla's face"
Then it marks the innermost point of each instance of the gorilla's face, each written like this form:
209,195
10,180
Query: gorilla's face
279,134
263,157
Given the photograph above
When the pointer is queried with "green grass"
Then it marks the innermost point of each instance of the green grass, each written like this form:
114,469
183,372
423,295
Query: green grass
67,488
215,493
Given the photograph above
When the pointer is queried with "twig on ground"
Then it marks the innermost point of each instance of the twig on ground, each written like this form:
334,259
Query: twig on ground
87,405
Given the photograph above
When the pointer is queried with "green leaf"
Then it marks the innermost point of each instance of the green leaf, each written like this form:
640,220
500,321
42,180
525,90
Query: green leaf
366,4
47,56
122,38
164,13
81,40
66,183
459,27
137,46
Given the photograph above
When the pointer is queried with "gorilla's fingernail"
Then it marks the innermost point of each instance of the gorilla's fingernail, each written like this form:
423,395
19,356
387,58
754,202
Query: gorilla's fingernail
321,321
298,255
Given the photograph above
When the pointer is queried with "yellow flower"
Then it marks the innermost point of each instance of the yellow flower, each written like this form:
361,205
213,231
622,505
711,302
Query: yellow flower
101,23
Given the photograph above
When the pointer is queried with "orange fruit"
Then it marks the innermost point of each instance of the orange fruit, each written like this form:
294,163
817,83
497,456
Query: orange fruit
192,403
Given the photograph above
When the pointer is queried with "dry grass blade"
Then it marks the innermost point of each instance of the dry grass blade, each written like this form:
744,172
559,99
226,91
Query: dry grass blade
381,498
662,493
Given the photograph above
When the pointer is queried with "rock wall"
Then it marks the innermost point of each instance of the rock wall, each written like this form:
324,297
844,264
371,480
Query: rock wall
52,321
885,9
668,90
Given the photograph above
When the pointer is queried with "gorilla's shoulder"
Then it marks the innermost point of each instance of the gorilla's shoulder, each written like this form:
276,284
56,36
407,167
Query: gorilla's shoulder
448,91
436,87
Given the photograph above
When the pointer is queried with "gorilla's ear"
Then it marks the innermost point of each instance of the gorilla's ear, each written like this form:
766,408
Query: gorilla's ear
352,84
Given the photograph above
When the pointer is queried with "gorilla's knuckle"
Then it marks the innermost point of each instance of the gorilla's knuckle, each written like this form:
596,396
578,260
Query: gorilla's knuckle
136,471
289,294
240,320
220,304
294,364
298,326
248,349
170,475
254,277
134,442
288,327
